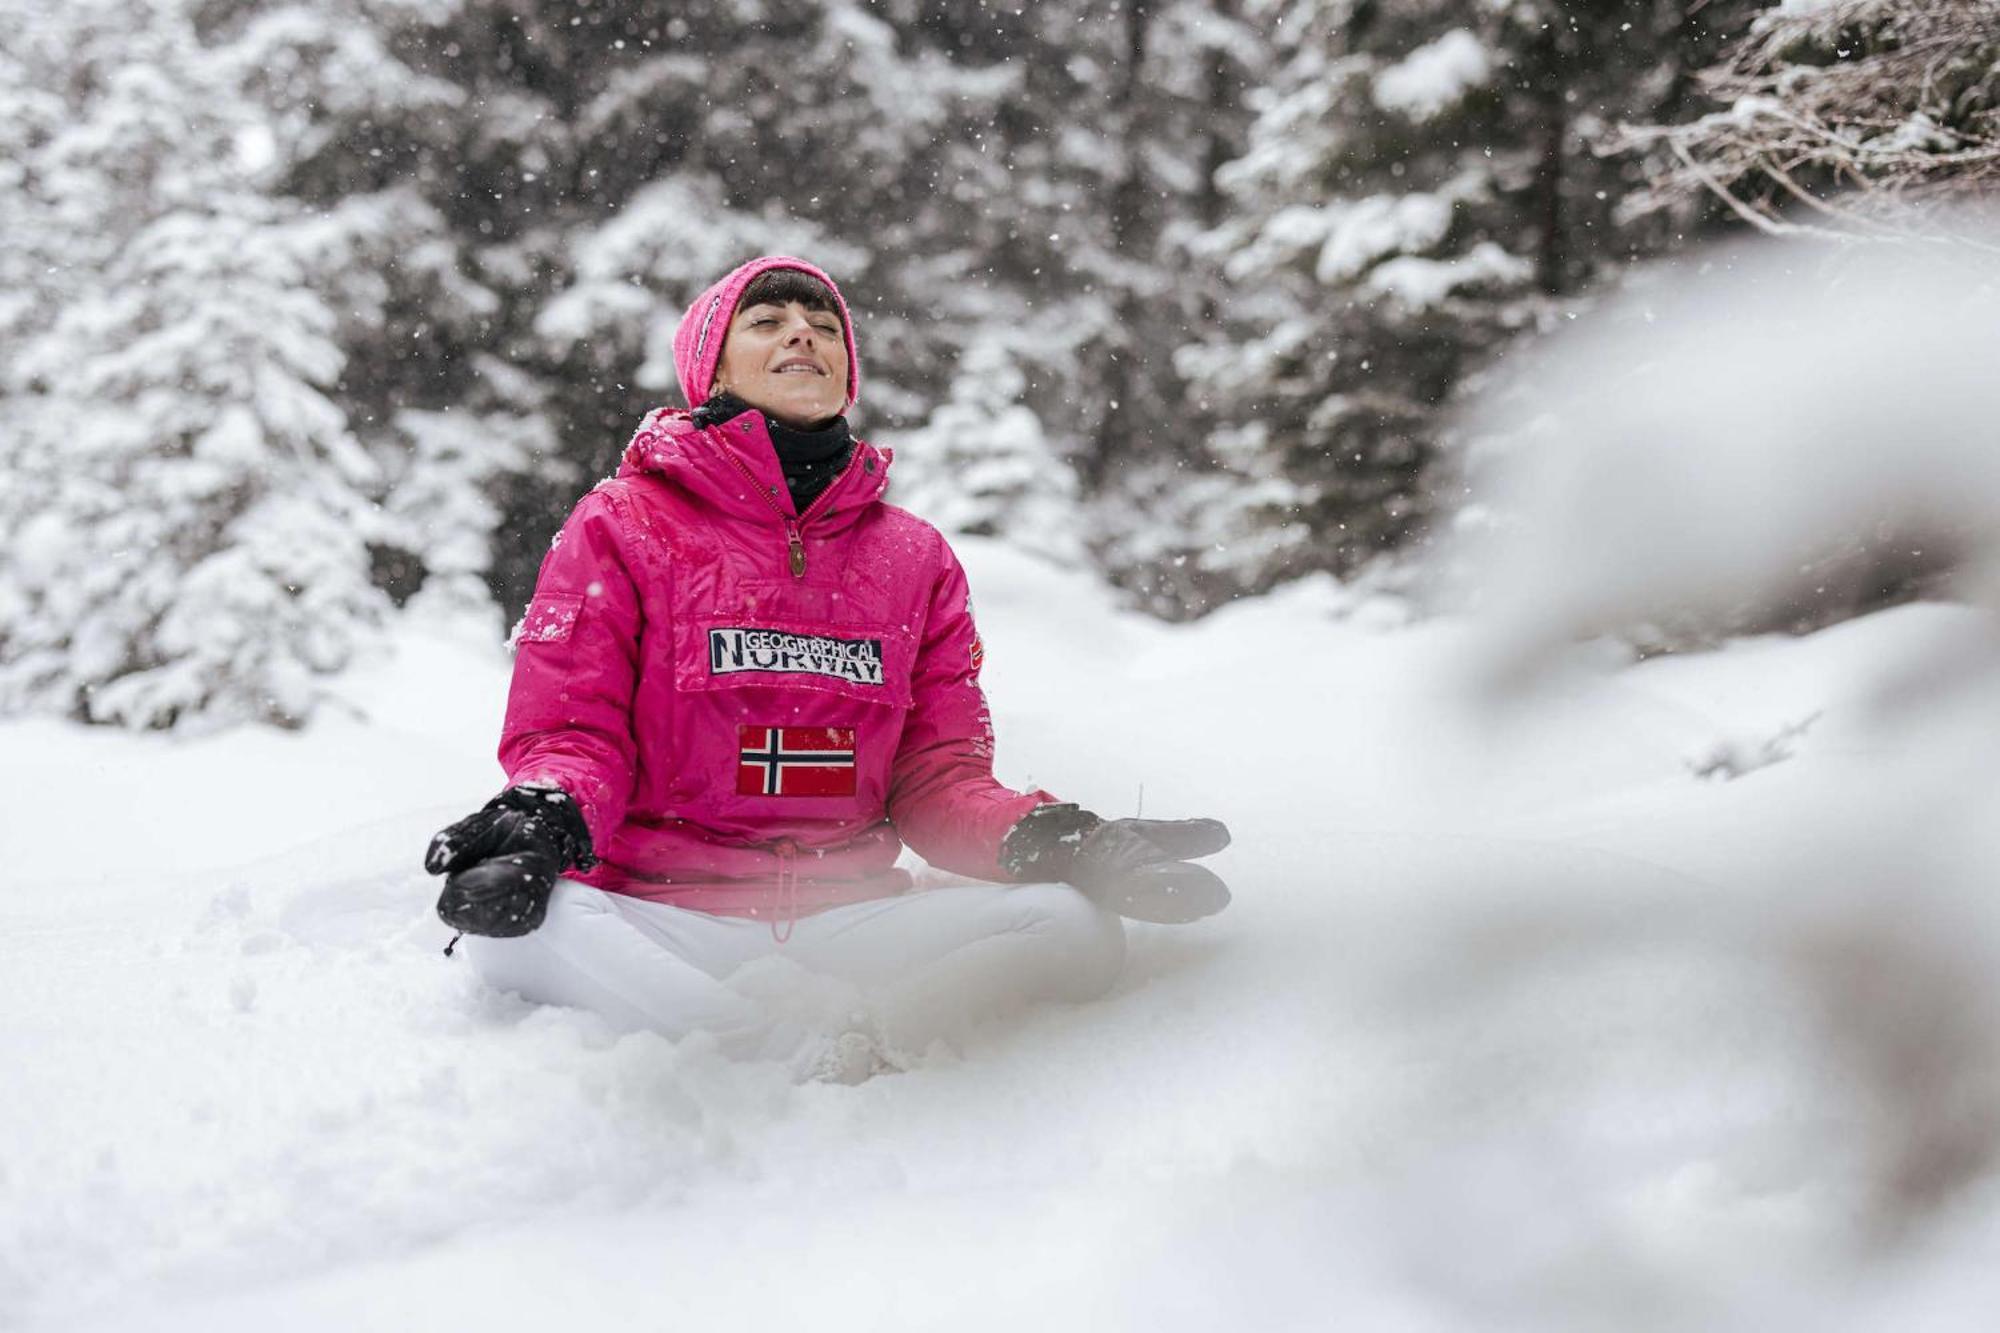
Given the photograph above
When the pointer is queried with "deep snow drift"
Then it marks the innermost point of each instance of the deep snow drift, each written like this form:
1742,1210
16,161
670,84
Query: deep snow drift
1509,1025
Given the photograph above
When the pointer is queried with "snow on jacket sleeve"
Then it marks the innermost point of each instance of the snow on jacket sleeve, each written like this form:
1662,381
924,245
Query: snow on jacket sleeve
569,712
943,797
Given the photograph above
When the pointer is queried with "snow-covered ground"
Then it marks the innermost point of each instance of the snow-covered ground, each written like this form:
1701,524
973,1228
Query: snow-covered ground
1656,1001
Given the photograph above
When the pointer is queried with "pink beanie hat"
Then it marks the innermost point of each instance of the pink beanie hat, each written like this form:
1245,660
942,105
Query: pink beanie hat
698,341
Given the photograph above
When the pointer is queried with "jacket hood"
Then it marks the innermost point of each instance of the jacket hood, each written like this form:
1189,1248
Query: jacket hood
698,340
734,466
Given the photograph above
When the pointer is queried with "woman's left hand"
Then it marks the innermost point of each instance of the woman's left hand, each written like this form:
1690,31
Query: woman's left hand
1138,868
1142,868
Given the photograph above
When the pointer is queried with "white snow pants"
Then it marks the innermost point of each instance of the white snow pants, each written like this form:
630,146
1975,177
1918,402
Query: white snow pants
918,967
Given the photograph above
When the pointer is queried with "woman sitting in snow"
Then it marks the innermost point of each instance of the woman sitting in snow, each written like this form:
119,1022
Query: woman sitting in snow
743,684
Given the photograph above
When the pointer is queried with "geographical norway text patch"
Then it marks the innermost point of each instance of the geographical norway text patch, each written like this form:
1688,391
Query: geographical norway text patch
795,761
776,650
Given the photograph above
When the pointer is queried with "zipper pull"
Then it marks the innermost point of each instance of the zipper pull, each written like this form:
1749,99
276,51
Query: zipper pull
798,553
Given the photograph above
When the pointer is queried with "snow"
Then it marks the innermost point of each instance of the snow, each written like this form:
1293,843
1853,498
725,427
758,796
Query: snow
1361,232
1562,989
1505,1028
1434,77
1419,283
1845,399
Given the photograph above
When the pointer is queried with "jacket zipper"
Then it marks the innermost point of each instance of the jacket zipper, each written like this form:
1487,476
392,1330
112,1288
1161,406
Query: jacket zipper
794,539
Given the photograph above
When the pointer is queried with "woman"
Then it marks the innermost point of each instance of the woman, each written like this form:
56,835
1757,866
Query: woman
743,684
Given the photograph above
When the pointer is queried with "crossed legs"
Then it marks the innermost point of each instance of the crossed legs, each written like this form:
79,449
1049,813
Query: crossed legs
923,965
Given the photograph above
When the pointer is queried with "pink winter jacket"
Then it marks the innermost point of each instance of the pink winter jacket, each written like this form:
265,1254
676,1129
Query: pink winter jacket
754,708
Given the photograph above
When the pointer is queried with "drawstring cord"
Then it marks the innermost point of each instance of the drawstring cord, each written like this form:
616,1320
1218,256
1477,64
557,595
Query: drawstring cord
788,891
454,943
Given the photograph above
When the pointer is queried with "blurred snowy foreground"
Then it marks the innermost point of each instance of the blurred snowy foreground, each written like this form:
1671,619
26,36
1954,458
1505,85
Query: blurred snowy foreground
1560,991
1502,1023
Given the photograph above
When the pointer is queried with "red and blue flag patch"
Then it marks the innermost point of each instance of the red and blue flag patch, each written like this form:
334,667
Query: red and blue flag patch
795,761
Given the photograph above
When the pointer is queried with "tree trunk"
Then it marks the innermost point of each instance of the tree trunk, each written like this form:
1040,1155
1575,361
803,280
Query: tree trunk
1551,87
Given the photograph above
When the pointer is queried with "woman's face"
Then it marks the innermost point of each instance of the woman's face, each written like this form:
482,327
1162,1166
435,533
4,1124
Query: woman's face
787,361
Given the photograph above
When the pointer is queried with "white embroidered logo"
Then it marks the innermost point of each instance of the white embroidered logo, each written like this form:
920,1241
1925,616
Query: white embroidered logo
774,650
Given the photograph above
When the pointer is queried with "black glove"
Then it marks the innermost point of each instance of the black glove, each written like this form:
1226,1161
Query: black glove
1138,868
503,862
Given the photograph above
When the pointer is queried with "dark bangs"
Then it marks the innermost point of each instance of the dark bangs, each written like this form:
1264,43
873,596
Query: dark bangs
782,286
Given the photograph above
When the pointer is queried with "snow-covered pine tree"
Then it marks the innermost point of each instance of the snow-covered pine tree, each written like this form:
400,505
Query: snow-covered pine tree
1842,113
1423,184
983,465
186,508
672,141
1174,111
591,167
612,160
383,149
1053,228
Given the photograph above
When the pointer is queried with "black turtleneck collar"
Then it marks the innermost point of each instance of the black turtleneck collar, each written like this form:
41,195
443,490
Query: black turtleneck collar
810,459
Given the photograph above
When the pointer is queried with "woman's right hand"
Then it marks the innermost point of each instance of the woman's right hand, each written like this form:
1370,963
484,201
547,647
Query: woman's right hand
502,862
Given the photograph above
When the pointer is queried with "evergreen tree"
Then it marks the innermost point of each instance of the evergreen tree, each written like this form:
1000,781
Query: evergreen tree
392,158
442,502
1424,183
187,507
467,227
590,168
1176,110
1039,222
982,464
667,143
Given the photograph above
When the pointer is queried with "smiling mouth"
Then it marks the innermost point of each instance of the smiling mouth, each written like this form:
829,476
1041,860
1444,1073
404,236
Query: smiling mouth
799,367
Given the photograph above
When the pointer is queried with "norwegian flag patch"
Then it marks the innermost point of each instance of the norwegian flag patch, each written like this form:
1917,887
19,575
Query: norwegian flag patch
795,761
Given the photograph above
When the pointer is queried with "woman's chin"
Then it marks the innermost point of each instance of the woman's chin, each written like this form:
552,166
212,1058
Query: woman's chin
797,413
